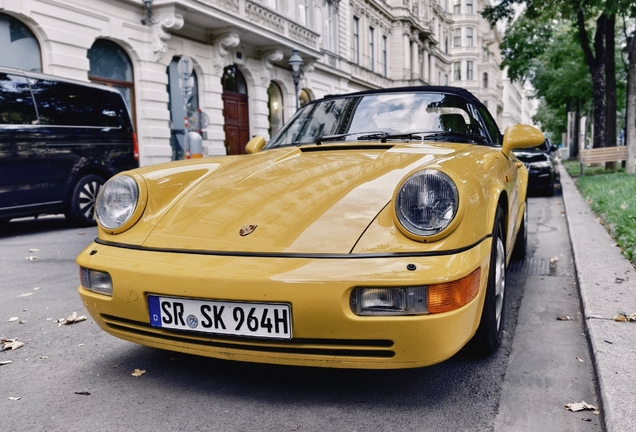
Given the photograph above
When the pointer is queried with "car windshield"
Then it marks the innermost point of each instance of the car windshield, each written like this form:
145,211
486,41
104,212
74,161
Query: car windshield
542,148
384,117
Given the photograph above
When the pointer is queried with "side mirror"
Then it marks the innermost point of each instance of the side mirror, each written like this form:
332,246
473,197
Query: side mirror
520,136
255,145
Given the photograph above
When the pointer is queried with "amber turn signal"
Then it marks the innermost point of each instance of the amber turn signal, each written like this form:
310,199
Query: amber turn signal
452,295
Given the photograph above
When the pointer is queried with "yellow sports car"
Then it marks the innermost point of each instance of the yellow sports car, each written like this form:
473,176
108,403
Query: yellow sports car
373,231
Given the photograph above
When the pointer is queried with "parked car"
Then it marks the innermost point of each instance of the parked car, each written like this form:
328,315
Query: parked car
542,166
373,231
60,140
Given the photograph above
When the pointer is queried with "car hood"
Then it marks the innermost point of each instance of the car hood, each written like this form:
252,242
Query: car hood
292,200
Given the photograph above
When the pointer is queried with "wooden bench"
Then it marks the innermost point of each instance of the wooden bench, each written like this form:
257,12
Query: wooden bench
602,155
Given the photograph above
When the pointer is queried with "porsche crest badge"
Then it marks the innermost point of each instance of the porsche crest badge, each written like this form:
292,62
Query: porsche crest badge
247,229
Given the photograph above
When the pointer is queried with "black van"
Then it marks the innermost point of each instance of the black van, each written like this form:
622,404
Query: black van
60,140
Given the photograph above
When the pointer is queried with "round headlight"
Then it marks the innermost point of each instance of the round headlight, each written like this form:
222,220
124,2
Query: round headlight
116,202
426,203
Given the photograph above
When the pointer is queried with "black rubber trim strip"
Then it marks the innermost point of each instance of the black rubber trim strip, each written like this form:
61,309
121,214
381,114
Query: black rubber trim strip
294,255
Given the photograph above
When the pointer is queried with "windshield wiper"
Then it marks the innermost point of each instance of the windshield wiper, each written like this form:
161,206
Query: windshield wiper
336,137
451,136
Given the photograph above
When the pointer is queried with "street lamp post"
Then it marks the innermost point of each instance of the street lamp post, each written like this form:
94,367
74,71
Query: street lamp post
296,63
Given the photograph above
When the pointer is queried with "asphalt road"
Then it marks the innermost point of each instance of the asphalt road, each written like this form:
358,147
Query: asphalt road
543,364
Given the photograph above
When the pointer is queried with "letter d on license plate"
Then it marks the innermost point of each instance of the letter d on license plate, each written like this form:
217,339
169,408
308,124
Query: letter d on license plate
266,320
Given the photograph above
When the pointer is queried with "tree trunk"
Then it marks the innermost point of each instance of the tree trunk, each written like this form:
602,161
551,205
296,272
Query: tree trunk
596,63
610,86
630,132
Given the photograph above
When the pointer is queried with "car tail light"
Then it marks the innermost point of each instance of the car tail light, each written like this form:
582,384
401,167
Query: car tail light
135,146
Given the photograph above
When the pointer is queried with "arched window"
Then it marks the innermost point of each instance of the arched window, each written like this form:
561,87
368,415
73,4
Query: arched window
20,48
110,65
180,106
304,98
275,105
233,81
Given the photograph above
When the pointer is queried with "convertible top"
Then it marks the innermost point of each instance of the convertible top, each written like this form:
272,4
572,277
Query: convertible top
414,89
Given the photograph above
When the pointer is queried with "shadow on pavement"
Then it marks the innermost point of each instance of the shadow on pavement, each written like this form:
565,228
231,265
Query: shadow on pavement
34,225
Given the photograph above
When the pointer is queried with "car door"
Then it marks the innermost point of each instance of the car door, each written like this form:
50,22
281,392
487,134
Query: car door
23,166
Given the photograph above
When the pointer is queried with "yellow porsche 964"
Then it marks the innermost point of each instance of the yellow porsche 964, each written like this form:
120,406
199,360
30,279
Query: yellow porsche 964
372,231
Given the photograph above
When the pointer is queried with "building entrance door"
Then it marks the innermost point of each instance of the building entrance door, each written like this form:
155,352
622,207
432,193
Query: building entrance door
235,111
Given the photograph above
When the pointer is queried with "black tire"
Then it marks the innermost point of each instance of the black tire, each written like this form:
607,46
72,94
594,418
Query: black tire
521,243
489,335
81,205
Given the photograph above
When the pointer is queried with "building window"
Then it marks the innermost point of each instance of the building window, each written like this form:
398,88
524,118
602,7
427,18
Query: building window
178,112
20,48
304,97
384,56
457,71
371,50
457,37
275,105
110,65
330,26
445,79
485,80
469,6
356,40
302,12
469,36
457,7
445,43
469,70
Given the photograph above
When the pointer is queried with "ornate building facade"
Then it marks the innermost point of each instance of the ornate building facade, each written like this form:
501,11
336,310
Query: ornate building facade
238,53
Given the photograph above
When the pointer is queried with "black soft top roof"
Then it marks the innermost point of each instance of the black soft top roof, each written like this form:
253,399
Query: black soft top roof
414,89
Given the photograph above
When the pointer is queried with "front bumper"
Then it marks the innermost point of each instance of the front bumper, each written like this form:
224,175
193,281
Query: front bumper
326,332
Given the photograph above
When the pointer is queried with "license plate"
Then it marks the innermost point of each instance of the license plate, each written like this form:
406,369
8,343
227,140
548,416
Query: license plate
266,320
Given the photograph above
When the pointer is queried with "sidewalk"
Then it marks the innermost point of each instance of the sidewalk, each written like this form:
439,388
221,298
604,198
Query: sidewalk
607,282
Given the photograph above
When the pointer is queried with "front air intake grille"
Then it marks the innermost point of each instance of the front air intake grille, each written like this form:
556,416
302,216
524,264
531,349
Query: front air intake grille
371,348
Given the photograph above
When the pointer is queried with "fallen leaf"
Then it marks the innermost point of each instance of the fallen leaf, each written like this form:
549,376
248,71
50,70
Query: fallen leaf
580,406
554,259
83,393
36,288
12,344
138,372
72,319
34,250
14,398
564,318
13,319
117,365
580,359
42,357
22,322
586,419
623,317
6,362
31,258
25,295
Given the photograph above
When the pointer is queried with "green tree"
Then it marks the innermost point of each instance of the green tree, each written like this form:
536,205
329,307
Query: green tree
551,59
595,17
